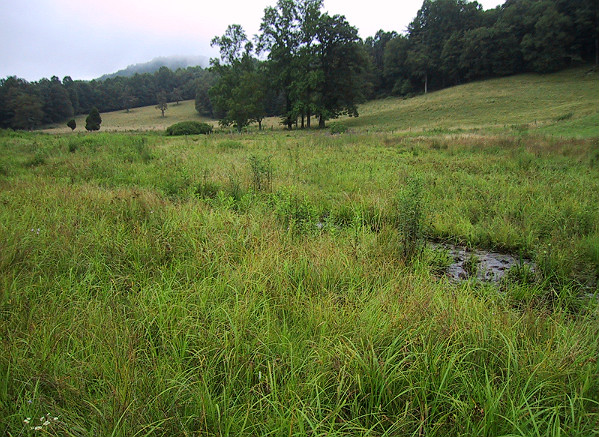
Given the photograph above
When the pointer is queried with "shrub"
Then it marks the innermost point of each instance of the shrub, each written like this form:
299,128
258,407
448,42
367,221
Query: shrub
411,217
338,128
93,120
294,211
189,128
73,146
38,159
72,124
261,173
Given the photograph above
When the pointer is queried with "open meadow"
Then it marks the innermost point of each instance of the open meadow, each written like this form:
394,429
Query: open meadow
285,282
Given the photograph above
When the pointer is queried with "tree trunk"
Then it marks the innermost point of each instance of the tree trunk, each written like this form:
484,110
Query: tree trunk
308,118
288,108
259,124
425,82
321,123
303,120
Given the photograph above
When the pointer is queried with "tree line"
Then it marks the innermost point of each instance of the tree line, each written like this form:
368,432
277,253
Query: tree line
26,105
450,42
306,64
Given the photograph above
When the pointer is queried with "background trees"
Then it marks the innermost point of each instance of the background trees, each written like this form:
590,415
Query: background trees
454,41
27,110
308,64
60,100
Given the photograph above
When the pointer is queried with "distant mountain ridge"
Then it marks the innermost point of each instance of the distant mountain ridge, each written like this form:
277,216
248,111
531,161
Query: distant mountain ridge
172,62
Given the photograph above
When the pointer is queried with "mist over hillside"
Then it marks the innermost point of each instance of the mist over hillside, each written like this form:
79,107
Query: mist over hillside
172,62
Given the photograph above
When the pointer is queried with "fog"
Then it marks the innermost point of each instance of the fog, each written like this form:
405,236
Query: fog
43,38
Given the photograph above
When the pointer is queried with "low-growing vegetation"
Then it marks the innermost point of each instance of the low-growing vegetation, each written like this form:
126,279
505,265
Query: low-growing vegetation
189,128
284,283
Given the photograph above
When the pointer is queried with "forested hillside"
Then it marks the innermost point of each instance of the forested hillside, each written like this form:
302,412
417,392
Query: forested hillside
306,63
172,62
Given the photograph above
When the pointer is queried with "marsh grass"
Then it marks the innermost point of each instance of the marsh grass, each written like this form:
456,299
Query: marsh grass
147,287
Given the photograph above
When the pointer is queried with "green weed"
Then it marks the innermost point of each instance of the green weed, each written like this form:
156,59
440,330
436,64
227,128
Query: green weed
410,218
262,171
471,265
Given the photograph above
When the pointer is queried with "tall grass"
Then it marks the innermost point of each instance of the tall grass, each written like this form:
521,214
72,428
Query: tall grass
259,285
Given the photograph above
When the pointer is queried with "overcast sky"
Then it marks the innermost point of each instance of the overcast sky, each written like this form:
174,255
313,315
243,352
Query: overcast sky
85,39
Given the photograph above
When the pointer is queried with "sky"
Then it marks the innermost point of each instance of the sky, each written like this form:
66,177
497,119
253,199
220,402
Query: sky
86,39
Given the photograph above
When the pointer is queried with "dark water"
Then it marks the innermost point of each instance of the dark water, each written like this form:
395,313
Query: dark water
480,264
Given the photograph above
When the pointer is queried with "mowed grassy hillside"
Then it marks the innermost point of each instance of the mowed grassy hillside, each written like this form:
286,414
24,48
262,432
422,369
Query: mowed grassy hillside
146,118
563,103
282,283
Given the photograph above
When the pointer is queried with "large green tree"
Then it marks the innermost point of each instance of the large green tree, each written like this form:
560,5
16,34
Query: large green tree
341,61
375,47
238,96
162,102
395,68
547,47
281,36
127,98
315,60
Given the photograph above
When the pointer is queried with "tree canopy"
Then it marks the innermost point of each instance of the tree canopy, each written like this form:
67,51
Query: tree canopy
314,65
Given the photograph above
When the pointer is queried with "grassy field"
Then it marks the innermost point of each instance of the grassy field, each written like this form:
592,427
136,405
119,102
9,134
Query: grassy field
280,283
146,118
564,104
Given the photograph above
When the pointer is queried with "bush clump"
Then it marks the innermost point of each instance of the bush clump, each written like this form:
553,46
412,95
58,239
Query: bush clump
189,128
338,128
93,120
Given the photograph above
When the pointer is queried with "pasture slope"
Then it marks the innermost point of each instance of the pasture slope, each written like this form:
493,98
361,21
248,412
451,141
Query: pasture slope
146,118
563,103
282,282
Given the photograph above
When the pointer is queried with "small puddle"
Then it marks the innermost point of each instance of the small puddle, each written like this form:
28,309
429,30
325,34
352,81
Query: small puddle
480,264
